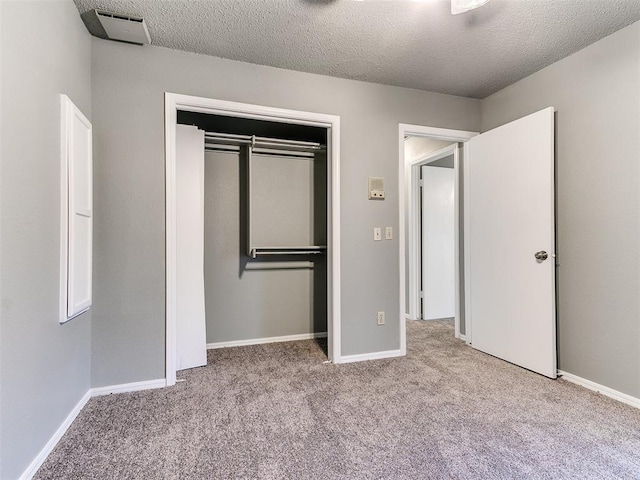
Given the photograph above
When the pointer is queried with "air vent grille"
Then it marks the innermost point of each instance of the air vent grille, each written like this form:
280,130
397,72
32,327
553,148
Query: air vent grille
124,28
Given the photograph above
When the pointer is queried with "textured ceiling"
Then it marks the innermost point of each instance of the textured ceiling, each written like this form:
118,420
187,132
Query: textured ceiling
416,44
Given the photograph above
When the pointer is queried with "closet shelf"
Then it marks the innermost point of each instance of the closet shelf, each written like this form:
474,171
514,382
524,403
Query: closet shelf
306,250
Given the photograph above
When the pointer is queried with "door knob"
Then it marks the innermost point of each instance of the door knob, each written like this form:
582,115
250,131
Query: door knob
541,256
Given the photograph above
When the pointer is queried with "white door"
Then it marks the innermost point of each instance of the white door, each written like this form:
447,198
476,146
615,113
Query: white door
191,342
509,210
438,242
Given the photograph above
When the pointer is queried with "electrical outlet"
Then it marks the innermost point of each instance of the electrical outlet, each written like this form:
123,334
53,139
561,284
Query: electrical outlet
388,233
377,233
380,318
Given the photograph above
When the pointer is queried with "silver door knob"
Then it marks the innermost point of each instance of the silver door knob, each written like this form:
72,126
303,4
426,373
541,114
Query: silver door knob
541,256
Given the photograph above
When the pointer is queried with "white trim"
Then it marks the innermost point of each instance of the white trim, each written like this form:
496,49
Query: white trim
437,133
128,387
401,249
404,184
373,355
456,238
468,321
64,206
606,391
175,102
414,247
260,341
463,337
170,121
37,462
55,438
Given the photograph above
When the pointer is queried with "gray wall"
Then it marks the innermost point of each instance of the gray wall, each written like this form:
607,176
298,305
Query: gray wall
128,100
246,298
45,366
597,97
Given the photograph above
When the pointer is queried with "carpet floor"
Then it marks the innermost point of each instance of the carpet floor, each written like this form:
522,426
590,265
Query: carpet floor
276,411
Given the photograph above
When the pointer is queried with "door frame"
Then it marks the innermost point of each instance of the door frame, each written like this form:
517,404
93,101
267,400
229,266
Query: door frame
417,232
175,102
408,210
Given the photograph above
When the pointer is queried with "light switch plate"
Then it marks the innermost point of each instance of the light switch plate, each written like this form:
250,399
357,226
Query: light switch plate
377,233
388,233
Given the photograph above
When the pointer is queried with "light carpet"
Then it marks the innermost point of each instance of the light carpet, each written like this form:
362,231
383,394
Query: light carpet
276,411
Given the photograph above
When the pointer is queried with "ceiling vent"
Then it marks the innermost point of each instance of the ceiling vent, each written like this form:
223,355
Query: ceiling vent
124,28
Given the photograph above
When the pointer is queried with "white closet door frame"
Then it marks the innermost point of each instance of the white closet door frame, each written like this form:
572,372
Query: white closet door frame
175,102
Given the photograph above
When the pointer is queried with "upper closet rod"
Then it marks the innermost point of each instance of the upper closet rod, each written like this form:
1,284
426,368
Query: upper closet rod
260,142
217,147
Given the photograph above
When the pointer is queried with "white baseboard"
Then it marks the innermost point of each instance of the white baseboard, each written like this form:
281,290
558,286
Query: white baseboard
463,337
609,392
371,356
128,387
258,341
53,441
92,392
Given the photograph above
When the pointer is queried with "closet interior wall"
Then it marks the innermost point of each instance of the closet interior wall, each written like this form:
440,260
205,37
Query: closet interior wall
250,298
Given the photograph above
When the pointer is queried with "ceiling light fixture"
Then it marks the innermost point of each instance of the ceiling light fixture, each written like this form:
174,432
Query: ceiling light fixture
461,6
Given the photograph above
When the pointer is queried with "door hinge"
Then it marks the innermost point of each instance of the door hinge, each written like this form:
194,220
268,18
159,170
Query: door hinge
421,294
421,183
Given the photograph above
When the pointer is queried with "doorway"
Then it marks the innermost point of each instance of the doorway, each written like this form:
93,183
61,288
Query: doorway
420,146
175,103
437,202
435,268
508,255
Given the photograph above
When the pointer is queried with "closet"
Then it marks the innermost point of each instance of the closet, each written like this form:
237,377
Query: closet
264,232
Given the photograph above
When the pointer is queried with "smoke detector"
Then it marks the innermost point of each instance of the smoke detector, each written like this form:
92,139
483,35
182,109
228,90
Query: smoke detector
124,28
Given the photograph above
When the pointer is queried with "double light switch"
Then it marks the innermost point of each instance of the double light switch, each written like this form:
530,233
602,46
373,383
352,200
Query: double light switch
377,233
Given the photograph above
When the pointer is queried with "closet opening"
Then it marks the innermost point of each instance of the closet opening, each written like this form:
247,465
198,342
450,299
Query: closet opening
261,226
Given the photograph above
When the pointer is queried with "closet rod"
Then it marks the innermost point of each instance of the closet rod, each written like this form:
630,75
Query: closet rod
263,142
305,250
260,151
288,252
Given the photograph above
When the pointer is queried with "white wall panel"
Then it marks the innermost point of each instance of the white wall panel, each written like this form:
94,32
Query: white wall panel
76,212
